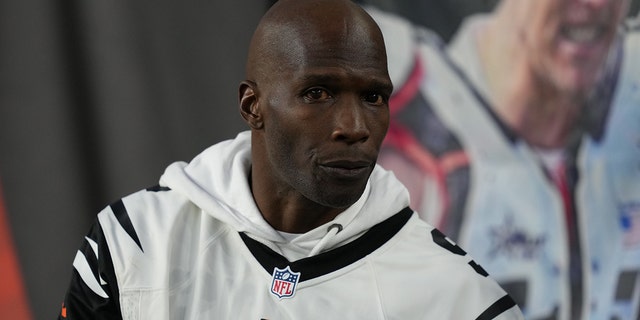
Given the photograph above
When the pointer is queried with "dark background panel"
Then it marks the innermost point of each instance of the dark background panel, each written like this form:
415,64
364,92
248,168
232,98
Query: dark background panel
96,99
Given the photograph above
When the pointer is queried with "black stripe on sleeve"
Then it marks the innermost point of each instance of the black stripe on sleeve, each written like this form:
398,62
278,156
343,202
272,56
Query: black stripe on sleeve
478,268
440,239
89,254
497,308
82,302
123,218
158,188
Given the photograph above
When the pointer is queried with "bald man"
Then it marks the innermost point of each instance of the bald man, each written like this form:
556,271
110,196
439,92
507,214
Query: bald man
292,219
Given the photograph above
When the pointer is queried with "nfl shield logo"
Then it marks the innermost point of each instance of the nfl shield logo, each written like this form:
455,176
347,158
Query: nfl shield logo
284,282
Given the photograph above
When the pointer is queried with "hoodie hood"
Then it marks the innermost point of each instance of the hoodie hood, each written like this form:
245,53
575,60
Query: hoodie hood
217,181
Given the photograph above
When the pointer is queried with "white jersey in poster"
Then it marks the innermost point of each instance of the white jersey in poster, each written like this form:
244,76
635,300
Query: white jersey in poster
475,179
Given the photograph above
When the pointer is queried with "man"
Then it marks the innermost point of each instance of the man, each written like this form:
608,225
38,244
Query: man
521,140
292,220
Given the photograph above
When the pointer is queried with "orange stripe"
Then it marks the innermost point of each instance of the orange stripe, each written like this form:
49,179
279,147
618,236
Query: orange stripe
409,89
13,301
453,160
409,146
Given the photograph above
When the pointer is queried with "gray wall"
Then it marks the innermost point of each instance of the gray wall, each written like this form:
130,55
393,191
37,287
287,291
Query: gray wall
96,98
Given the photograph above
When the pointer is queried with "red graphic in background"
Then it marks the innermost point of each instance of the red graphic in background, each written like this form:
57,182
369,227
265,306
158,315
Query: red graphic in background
13,300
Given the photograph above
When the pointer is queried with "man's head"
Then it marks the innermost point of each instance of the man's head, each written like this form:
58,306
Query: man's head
316,99
567,41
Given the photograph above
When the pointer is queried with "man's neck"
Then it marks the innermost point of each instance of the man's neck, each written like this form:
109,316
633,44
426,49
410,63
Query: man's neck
296,215
289,211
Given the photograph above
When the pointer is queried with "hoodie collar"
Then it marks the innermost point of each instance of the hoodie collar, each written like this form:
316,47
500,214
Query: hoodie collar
217,182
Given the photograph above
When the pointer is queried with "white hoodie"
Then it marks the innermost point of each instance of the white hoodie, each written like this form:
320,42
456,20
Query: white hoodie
197,247
220,186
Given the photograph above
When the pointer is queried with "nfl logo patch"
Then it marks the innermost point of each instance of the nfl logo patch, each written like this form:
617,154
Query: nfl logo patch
284,281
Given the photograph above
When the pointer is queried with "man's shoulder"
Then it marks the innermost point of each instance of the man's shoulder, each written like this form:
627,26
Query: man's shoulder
422,243
432,266
156,203
153,230
150,220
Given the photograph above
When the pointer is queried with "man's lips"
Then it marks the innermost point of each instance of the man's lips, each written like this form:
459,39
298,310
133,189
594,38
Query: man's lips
583,34
584,44
347,168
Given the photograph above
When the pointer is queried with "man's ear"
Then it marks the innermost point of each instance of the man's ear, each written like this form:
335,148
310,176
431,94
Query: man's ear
249,110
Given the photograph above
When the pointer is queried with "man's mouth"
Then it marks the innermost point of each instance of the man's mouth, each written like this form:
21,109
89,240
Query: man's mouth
346,168
584,34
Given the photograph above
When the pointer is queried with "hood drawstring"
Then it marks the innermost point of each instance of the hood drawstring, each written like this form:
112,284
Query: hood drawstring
331,232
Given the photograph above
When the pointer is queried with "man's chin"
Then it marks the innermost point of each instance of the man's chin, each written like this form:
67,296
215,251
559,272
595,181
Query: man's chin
340,199
577,84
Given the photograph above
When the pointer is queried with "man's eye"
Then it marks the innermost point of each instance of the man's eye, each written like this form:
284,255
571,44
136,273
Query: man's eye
374,98
316,94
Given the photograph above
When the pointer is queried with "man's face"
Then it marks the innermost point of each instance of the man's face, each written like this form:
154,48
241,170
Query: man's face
325,110
568,40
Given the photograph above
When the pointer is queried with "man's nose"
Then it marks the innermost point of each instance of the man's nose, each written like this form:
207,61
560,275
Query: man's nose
350,121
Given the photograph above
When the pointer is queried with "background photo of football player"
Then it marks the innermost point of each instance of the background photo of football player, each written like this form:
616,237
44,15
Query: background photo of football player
520,138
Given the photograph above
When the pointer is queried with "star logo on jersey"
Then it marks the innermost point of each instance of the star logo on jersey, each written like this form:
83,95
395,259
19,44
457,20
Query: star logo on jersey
630,223
284,282
514,242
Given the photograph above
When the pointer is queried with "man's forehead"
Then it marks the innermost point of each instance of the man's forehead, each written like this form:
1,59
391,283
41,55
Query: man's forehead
334,59
297,47
373,75
319,34
320,23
